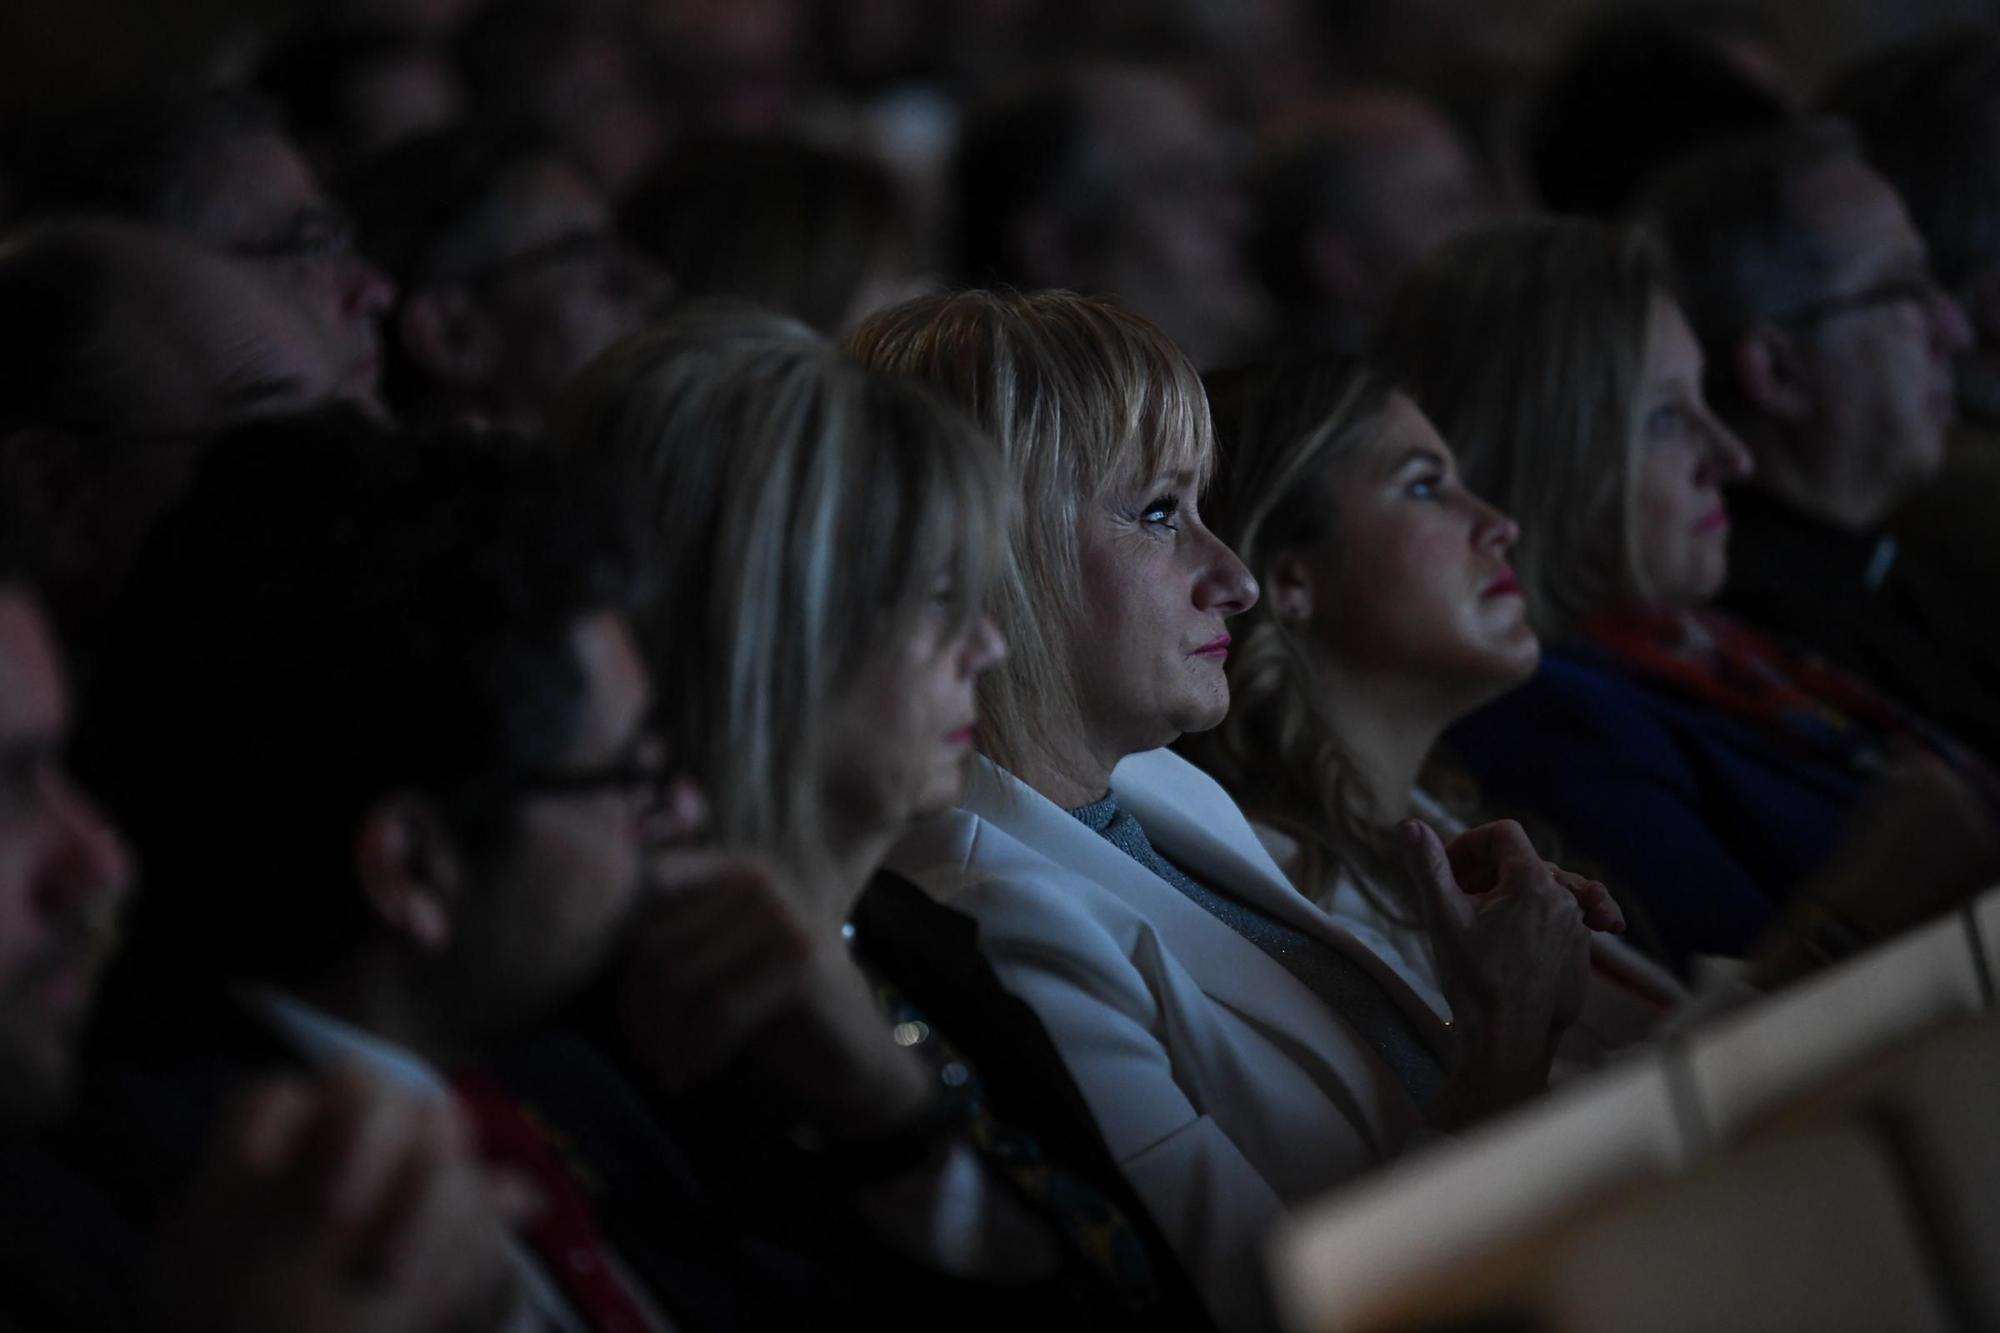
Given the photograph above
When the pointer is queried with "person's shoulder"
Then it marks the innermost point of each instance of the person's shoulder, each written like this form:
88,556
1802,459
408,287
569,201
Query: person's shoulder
1030,910
1575,696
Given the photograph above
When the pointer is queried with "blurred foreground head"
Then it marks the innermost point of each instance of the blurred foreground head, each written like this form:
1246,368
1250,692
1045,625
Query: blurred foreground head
397,669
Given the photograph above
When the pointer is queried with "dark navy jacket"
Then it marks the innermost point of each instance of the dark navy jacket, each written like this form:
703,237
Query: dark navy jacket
1705,822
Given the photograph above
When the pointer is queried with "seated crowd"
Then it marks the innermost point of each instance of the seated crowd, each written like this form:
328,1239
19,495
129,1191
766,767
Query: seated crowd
601,730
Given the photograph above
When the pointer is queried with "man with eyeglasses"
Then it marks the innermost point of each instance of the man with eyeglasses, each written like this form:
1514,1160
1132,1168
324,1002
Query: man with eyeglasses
339,1205
120,345
377,729
512,270
1830,347
216,167
1928,112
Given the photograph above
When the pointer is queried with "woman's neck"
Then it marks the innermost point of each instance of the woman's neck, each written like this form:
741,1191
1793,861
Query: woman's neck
1388,731
845,873
1072,776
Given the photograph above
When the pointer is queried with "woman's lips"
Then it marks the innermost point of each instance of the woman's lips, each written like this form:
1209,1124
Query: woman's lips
965,735
1504,584
1715,520
1217,647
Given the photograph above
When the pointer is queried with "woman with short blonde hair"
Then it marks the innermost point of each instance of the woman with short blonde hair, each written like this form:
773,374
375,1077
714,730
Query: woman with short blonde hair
1241,1051
1100,393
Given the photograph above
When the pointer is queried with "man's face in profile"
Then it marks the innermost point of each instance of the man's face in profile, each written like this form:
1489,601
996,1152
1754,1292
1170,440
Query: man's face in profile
63,874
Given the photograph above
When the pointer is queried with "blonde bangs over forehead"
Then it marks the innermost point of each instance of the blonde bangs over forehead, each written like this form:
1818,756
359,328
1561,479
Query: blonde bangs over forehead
801,512
1083,397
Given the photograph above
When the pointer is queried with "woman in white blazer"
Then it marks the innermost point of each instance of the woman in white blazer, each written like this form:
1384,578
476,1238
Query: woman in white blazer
1242,1052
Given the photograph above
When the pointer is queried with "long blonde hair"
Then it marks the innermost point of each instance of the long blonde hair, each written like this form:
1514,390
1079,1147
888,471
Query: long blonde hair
800,511
1283,432
1080,394
1524,344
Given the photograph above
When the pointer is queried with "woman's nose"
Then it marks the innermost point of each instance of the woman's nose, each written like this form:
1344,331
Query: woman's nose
1226,583
1492,527
984,646
1724,459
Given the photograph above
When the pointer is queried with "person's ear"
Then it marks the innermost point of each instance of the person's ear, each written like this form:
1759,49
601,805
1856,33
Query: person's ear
448,336
411,869
1768,369
1288,588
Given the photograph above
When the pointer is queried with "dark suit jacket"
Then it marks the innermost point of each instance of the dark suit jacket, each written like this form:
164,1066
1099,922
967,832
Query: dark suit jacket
1922,632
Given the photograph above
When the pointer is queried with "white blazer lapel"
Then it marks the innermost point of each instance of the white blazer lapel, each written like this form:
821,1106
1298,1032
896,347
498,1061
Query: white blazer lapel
1229,969
1195,824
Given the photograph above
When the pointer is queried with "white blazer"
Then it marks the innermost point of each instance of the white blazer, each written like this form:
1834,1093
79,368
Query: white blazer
1222,1084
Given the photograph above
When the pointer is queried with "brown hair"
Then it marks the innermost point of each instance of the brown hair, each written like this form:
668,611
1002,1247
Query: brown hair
1283,431
1524,344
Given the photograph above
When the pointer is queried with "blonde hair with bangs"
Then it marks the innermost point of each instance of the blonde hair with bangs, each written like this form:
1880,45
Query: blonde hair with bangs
1083,396
1524,345
799,512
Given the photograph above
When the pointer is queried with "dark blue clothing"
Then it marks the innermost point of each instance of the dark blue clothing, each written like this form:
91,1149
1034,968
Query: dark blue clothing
1705,822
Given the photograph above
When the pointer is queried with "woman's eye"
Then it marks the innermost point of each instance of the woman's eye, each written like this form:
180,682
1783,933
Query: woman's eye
1667,421
1162,512
1429,487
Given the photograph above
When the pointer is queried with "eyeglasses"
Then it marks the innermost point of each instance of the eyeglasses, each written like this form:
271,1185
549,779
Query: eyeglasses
1924,290
640,770
321,233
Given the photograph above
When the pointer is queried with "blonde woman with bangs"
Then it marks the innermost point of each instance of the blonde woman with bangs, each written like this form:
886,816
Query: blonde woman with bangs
822,539
1715,774
1241,1051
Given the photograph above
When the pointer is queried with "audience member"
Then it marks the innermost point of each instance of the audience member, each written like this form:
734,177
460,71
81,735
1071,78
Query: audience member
1113,181
1638,90
1830,347
574,74
739,68
298,1217
512,271
1928,115
119,347
486,841
403,666
1242,1051
1389,612
821,670
1715,773
1928,112
217,169
1348,195
351,93
813,233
